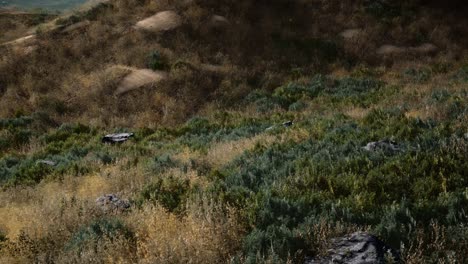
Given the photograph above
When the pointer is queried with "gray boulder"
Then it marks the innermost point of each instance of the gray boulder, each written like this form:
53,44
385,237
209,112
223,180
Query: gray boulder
117,138
357,248
112,203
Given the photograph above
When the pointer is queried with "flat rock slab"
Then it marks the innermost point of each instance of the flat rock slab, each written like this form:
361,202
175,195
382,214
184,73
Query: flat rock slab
356,248
140,78
117,138
161,22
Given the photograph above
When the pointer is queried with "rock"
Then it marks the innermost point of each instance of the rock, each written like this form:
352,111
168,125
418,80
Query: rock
350,33
288,123
382,145
47,162
161,22
284,124
387,50
424,49
356,248
117,138
112,203
139,78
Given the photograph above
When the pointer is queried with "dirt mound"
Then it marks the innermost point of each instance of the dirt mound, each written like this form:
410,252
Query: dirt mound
24,45
139,78
162,21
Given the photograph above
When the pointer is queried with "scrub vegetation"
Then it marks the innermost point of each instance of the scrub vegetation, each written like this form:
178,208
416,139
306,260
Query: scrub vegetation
212,174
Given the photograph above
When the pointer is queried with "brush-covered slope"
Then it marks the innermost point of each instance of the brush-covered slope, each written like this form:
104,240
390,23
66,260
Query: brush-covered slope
376,90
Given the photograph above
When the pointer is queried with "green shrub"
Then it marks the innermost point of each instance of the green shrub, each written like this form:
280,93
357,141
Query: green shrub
15,123
462,74
383,9
95,232
308,50
70,20
421,75
293,92
66,131
161,163
156,61
169,192
104,157
276,242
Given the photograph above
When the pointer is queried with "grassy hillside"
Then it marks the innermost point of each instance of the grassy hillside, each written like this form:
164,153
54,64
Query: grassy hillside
212,175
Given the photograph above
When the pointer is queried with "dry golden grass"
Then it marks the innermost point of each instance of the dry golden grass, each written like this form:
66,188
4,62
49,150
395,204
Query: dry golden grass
166,238
357,112
221,153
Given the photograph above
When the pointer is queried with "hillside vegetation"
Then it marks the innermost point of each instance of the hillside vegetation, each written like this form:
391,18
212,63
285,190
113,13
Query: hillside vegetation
212,175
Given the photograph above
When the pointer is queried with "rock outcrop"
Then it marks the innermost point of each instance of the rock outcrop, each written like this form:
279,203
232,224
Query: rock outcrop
111,203
385,145
357,248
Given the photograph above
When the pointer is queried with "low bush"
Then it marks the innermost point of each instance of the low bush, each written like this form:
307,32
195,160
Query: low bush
156,61
462,74
421,75
161,163
383,9
94,233
170,192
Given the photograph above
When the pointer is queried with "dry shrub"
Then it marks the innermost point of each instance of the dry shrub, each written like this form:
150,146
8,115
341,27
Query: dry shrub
195,238
434,246
321,233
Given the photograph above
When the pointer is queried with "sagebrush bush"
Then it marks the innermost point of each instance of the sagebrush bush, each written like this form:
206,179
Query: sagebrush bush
170,192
